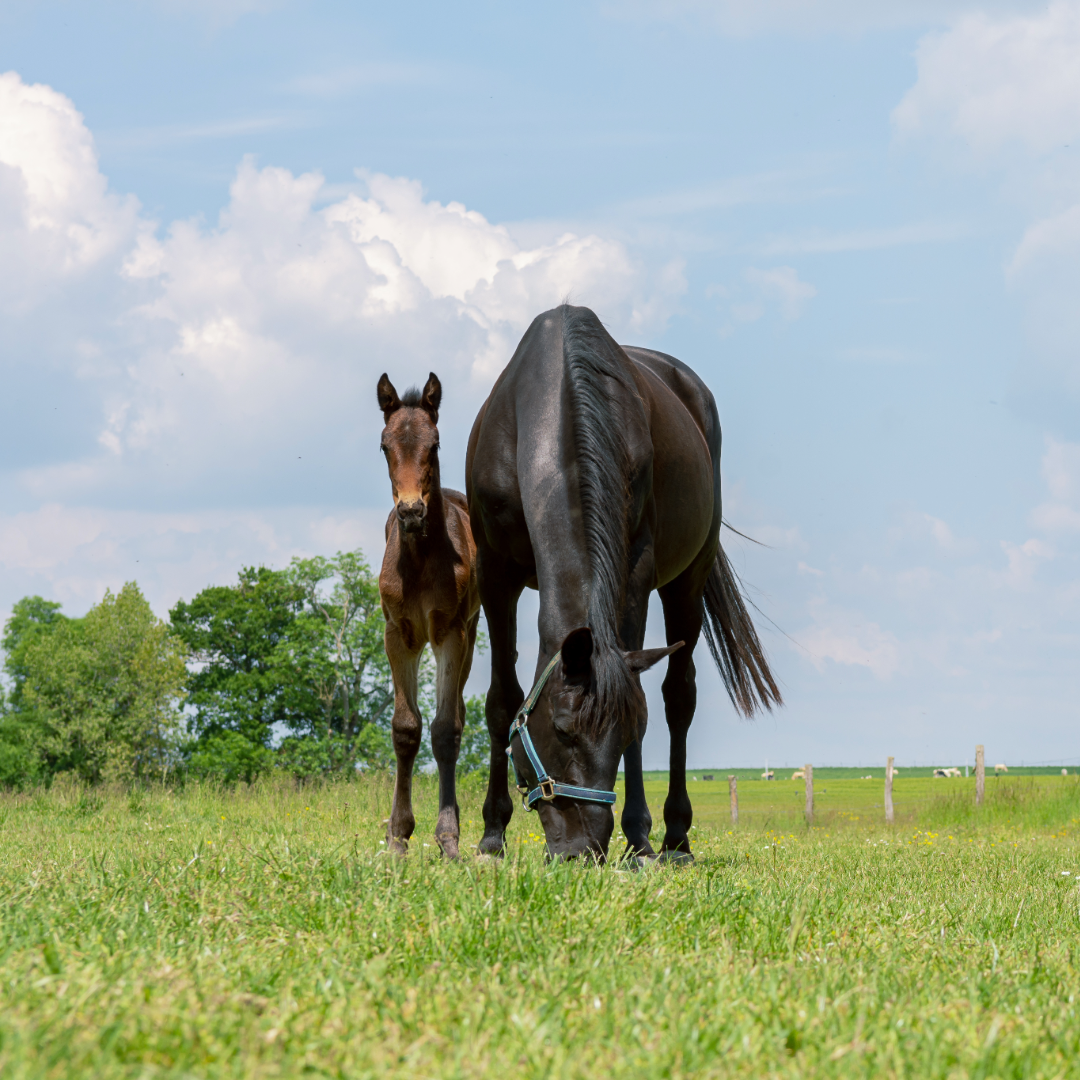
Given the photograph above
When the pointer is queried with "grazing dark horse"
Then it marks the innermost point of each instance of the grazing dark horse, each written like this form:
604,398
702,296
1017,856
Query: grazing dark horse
429,596
593,475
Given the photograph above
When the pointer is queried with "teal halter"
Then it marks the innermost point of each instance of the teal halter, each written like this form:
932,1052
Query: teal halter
546,788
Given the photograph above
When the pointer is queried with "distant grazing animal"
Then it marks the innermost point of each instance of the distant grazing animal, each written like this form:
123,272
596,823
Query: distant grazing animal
1001,768
868,776
593,476
770,775
429,596
946,772
798,774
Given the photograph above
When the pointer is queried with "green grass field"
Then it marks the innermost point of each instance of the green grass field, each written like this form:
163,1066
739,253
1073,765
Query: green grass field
262,933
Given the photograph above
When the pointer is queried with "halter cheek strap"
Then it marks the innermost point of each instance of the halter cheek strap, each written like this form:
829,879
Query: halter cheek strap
546,788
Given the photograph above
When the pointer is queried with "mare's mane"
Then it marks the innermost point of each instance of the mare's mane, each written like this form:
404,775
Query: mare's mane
597,379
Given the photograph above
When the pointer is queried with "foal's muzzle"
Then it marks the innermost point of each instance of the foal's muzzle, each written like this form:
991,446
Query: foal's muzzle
412,516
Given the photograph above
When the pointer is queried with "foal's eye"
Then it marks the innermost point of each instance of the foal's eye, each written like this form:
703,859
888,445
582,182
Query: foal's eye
434,448
383,449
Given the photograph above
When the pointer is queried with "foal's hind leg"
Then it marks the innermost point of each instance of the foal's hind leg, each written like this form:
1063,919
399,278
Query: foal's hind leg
407,727
683,614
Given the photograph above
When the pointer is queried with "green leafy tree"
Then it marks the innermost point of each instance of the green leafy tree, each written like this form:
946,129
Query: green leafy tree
338,644
20,760
30,617
297,655
102,694
475,751
240,689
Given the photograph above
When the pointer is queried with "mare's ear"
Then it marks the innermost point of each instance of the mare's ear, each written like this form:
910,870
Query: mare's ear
432,397
389,402
642,659
577,652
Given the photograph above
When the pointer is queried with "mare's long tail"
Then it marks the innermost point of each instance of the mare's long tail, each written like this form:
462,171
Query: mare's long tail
734,643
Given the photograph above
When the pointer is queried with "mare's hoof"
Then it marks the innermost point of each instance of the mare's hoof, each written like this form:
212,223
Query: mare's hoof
448,845
665,858
492,845
677,858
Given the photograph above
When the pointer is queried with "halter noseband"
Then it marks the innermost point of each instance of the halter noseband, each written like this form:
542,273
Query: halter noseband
546,788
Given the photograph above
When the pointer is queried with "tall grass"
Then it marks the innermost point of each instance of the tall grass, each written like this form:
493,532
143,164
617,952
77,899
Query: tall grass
262,933
1023,801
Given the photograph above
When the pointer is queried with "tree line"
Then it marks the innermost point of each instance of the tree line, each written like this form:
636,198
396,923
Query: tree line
282,670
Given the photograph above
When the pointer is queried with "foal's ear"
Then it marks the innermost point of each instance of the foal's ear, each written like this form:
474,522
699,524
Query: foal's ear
432,397
389,401
642,659
577,652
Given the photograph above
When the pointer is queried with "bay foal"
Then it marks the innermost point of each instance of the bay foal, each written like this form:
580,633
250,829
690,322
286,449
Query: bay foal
429,596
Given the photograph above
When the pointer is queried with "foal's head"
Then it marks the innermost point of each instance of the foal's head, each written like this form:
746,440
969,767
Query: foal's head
410,443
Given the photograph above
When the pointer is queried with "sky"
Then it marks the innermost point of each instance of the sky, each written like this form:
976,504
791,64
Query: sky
221,221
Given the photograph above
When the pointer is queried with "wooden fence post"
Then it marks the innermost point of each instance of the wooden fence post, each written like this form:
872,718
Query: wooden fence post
808,774
733,793
888,791
980,775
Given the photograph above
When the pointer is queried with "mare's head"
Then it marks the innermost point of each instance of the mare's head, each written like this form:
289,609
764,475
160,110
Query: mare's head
583,722
410,444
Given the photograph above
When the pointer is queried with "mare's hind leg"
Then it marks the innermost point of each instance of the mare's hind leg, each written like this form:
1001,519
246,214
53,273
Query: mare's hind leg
683,614
407,726
500,586
452,657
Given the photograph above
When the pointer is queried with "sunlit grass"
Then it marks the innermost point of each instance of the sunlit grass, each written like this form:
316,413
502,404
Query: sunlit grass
263,933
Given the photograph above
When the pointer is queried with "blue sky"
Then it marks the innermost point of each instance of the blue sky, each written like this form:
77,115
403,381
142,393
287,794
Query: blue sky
862,227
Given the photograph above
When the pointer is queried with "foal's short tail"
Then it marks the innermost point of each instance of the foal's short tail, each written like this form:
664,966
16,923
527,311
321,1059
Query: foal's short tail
734,643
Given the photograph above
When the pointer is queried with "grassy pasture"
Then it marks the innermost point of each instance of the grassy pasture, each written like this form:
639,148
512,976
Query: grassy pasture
260,933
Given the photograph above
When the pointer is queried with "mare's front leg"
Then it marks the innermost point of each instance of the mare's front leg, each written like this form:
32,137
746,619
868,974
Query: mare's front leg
682,622
636,819
500,587
452,656
407,727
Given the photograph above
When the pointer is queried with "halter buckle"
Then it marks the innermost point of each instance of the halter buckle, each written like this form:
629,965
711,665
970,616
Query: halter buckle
547,789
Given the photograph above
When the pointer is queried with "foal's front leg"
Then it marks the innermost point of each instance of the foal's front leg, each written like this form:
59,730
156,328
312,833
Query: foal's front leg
451,657
407,727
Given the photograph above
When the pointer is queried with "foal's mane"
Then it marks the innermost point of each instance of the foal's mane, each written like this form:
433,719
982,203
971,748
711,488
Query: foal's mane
597,380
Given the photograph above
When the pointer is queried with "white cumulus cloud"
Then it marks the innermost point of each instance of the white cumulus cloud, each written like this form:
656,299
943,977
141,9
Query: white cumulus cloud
846,638
993,81
229,368
57,216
